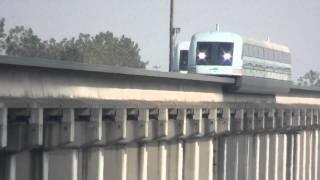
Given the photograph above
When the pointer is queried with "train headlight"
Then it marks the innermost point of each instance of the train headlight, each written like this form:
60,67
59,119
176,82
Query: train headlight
227,56
202,55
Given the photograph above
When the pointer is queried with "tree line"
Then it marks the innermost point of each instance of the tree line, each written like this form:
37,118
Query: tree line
102,48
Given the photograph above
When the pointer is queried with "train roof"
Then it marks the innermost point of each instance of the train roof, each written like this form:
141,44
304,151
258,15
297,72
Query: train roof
252,41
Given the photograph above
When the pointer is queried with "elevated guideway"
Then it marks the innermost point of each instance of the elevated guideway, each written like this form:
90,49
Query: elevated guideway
62,120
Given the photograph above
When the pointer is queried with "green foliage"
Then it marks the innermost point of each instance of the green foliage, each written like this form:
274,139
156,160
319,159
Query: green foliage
2,35
311,78
102,48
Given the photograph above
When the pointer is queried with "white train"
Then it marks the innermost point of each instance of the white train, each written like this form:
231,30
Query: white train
260,66
181,53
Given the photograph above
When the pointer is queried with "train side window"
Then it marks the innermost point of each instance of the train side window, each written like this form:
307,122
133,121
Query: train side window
245,50
260,49
250,50
256,51
277,56
267,53
183,63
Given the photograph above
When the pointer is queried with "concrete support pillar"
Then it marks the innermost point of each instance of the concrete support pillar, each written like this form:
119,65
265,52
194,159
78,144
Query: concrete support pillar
249,119
212,125
121,124
95,125
239,120
143,174
260,120
290,161
67,131
315,161
288,119
309,152
222,158
191,161
95,164
3,127
36,127
143,123
232,158
180,160
163,161
12,171
279,118
298,163
163,122
124,162
245,156
296,117
303,117
309,117
197,122
182,122
45,166
206,155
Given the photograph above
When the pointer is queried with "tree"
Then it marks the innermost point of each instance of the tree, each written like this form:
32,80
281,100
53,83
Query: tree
102,48
2,36
311,78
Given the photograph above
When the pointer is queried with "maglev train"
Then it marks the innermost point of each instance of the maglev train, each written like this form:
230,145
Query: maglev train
181,53
258,66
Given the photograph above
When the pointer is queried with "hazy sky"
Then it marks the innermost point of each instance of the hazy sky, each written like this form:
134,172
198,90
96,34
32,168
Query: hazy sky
295,23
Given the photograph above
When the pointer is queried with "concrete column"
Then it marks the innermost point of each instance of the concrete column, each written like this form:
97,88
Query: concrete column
36,127
315,161
95,125
163,122
197,121
143,123
272,157
180,160
124,161
296,117
205,159
231,158
191,161
212,121
304,156
298,162
12,167
163,161
45,166
260,121
115,162
249,119
182,122
174,160
309,156
3,127
95,164
67,130
121,123
280,118
239,120
143,162
222,158
62,165
290,161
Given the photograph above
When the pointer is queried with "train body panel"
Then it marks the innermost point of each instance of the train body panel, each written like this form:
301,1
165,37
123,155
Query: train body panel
258,66
180,62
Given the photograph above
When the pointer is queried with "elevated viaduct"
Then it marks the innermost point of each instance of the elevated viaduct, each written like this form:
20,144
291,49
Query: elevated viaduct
69,121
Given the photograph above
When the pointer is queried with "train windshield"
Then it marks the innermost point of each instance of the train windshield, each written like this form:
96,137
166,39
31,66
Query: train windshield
183,63
214,53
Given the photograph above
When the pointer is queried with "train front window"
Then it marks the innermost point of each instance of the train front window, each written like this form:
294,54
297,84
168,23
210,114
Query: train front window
183,64
214,53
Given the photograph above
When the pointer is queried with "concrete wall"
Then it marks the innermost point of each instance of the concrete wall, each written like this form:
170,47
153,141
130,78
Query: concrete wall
223,142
